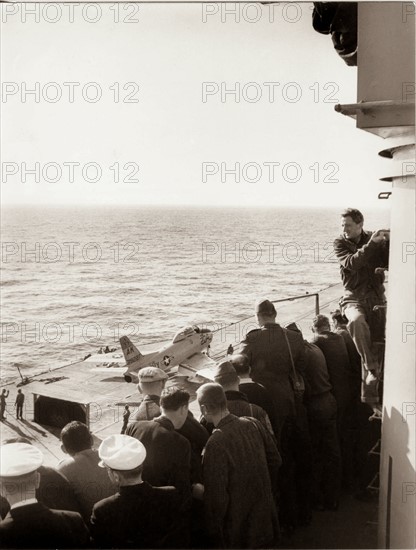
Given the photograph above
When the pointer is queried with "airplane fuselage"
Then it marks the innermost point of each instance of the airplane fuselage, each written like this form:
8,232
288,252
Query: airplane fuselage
172,354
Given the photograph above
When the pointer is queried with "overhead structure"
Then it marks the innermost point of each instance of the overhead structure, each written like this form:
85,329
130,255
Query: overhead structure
385,107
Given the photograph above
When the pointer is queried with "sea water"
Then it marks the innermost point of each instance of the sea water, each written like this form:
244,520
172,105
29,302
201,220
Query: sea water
74,279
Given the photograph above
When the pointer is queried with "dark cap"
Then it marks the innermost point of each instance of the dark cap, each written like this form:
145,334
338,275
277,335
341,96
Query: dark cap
294,327
225,372
265,307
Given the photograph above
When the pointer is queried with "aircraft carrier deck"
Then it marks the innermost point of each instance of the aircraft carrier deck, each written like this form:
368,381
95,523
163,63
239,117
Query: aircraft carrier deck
79,391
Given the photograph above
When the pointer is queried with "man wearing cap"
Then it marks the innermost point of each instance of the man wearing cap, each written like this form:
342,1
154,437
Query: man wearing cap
237,403
267,349
240,467
138,515
89,482
29,523
152,380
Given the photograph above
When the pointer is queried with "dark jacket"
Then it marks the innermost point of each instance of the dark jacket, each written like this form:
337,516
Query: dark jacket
269,359
316,373
358,262
259,395
338,364
168,458
37,526
240,459
138,516
239,405
54,491
197,436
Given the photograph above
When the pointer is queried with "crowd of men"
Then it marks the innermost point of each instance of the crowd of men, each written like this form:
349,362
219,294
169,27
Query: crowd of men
280,433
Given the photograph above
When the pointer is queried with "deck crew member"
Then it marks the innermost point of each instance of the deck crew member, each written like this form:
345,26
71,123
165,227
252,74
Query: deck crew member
138,515
126,416
240,468
360,253
29,523
3,396
20,399
89,482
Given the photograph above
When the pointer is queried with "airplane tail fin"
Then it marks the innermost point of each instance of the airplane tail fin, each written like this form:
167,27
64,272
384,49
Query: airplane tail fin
131,353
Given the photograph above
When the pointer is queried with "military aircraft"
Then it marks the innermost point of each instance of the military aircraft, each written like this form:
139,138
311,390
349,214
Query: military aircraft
185,351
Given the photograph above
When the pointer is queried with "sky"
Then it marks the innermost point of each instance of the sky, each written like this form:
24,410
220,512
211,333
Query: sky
179,104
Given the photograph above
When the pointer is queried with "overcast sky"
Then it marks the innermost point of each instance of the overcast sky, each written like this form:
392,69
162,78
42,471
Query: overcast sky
138,121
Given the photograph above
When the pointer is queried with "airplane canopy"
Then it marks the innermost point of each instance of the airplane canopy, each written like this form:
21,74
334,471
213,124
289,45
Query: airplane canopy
183,333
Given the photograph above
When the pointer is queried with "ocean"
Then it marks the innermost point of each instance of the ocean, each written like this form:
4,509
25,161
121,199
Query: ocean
74,279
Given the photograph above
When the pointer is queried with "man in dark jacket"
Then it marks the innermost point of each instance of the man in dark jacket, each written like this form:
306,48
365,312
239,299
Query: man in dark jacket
256,393
322,415
168,459
361,254
237,402
30,524
268,353
240,468
338,363
138,515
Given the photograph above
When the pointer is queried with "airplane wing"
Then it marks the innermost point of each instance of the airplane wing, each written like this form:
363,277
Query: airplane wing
115,357
113,370
198,365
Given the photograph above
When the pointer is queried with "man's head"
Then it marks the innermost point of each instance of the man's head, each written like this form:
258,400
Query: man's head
174,404
151,381
265,312
225,375
212,402
75,438
19,391
123,456
338,319
352,223
19,477
241,364
320,324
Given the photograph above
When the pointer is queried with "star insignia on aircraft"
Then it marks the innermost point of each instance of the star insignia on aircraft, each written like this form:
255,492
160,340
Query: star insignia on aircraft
166,360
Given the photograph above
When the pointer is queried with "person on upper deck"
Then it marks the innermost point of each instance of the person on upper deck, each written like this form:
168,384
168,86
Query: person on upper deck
340,322
89,482
30,523
138,515
361,254
256,393
322,416
240,467
268,353
168,454
237,403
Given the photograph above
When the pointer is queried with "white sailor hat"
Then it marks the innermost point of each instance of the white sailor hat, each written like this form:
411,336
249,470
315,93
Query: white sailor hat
151,374
121,452
19,459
